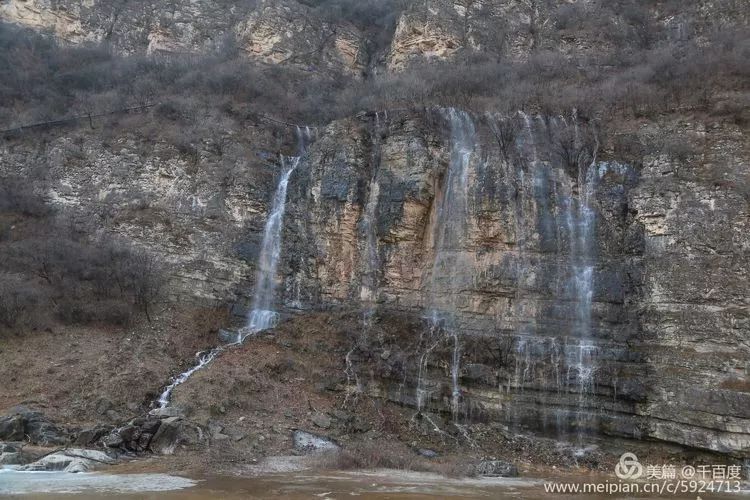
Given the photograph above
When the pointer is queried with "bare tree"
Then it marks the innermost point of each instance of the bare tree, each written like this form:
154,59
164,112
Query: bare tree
146,279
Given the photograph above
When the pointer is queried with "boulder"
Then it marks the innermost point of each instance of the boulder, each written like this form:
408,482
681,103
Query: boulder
10,447
45,433
103,405
11,428
25,424
114,416
144,441
427,453
173,432
113,440
308,442
167,437
321,420
495,468
216,432
91,435
360,425
342,416
72,460
129,433
10,458
150,425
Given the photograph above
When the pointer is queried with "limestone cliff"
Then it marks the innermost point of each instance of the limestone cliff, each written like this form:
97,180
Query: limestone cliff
665,352
581,288
268,31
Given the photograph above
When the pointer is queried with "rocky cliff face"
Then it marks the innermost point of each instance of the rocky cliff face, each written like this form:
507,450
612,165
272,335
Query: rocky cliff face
635,364
561,289
271,31
589,296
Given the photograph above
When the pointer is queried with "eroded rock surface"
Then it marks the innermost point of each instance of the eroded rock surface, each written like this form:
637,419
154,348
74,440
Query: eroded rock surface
667,321
270,31
71,460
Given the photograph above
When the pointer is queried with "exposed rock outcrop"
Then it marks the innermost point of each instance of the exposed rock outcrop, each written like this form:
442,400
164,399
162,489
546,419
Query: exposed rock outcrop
273,31
71,460
668,319
23,424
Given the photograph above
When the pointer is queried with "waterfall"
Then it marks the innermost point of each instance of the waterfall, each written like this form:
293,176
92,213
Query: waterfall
580,221
581,357
261,316
448,269
203,358
369,280
371,264
569,360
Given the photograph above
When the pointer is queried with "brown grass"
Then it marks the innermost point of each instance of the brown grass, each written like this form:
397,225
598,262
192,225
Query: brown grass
389,455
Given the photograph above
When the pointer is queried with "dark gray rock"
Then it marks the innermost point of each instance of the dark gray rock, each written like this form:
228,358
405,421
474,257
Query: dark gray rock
342,416
10,458
150,425
216,432
10,447
12,428
174,432
427,453
103,405
130,435
144,441
321,420
113,440
360,425
167,437
114,416
90,436
46,434
25,424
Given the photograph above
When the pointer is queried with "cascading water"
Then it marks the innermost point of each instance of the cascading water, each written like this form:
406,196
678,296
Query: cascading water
578,220
203,358
261,316
449,242
370,264
565,224
368,291
581,356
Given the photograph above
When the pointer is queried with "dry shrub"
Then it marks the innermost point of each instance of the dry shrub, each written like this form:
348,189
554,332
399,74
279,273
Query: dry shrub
370,455
390,454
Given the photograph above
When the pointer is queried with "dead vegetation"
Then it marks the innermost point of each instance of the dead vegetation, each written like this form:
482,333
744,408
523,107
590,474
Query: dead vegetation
392,455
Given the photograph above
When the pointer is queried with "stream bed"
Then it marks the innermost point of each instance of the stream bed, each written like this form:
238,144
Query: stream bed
379,484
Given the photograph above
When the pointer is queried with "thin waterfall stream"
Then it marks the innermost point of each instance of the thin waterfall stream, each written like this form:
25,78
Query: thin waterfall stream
261,316
448,265
368,294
